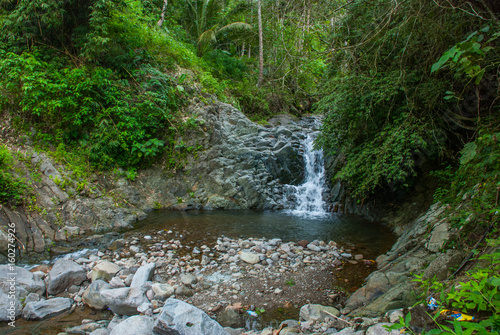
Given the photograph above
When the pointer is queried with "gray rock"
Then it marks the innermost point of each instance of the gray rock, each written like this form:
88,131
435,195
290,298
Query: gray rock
290,331
379,329
92,295
440,267
43,309
178,317
84,328
32,297
249,257
64,273
116,282
100,331
116,244
25,281
230,318
104,270
188,279
399,296
350,331
145,307
124,301
185,291
315,312
135,325
163,291
66,233
235,331
143,274
290,324
376,286
394,315
10,309
115,321
440,234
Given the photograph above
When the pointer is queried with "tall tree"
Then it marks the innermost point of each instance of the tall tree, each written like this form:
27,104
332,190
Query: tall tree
261,45
162,17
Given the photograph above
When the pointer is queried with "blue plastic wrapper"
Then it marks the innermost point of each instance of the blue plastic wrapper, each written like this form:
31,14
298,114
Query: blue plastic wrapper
432,304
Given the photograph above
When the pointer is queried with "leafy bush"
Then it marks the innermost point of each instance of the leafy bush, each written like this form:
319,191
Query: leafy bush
224,66
471,190
11,188
115,120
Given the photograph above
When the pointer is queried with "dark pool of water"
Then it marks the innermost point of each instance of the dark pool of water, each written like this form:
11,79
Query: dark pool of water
206,226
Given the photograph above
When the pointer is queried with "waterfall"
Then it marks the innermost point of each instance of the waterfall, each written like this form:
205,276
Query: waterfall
309,195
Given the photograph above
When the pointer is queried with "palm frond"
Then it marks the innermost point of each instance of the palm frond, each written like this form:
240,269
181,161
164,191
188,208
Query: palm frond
236,29
204,41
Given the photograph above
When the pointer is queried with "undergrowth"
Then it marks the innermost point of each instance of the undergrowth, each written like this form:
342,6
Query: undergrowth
11,188
477,294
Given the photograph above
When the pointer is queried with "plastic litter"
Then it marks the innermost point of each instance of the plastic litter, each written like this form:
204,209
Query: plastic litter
432,304
252,313
457,315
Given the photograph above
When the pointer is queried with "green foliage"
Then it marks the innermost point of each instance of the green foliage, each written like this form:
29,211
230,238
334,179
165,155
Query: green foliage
224,66
12,189
115,120
481,292
476,181
385,110
468,57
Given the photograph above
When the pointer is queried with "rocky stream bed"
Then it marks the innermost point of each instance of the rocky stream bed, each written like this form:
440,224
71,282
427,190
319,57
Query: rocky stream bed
243,283
156,284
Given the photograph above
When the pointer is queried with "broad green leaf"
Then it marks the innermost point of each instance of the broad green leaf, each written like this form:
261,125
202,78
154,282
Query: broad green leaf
444,58
468,153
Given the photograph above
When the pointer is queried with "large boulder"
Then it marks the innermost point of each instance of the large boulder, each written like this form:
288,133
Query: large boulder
92,295
10,309
178,317
16,284
25,282
143,274
377,285
104,270
315,312
39,310
135,325
124,301
64,274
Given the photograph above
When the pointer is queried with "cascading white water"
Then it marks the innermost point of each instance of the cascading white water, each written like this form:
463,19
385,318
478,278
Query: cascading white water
309,195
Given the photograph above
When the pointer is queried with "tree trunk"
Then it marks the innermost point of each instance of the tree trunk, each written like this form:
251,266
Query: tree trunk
162,17
261,47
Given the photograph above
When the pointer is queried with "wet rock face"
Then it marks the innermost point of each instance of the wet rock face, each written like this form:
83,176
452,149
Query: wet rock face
246,165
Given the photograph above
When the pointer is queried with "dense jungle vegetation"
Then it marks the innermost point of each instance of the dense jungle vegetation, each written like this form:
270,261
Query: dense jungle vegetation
406,87
401,83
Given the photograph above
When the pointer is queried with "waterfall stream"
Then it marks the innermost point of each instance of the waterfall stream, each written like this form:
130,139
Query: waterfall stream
309,195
